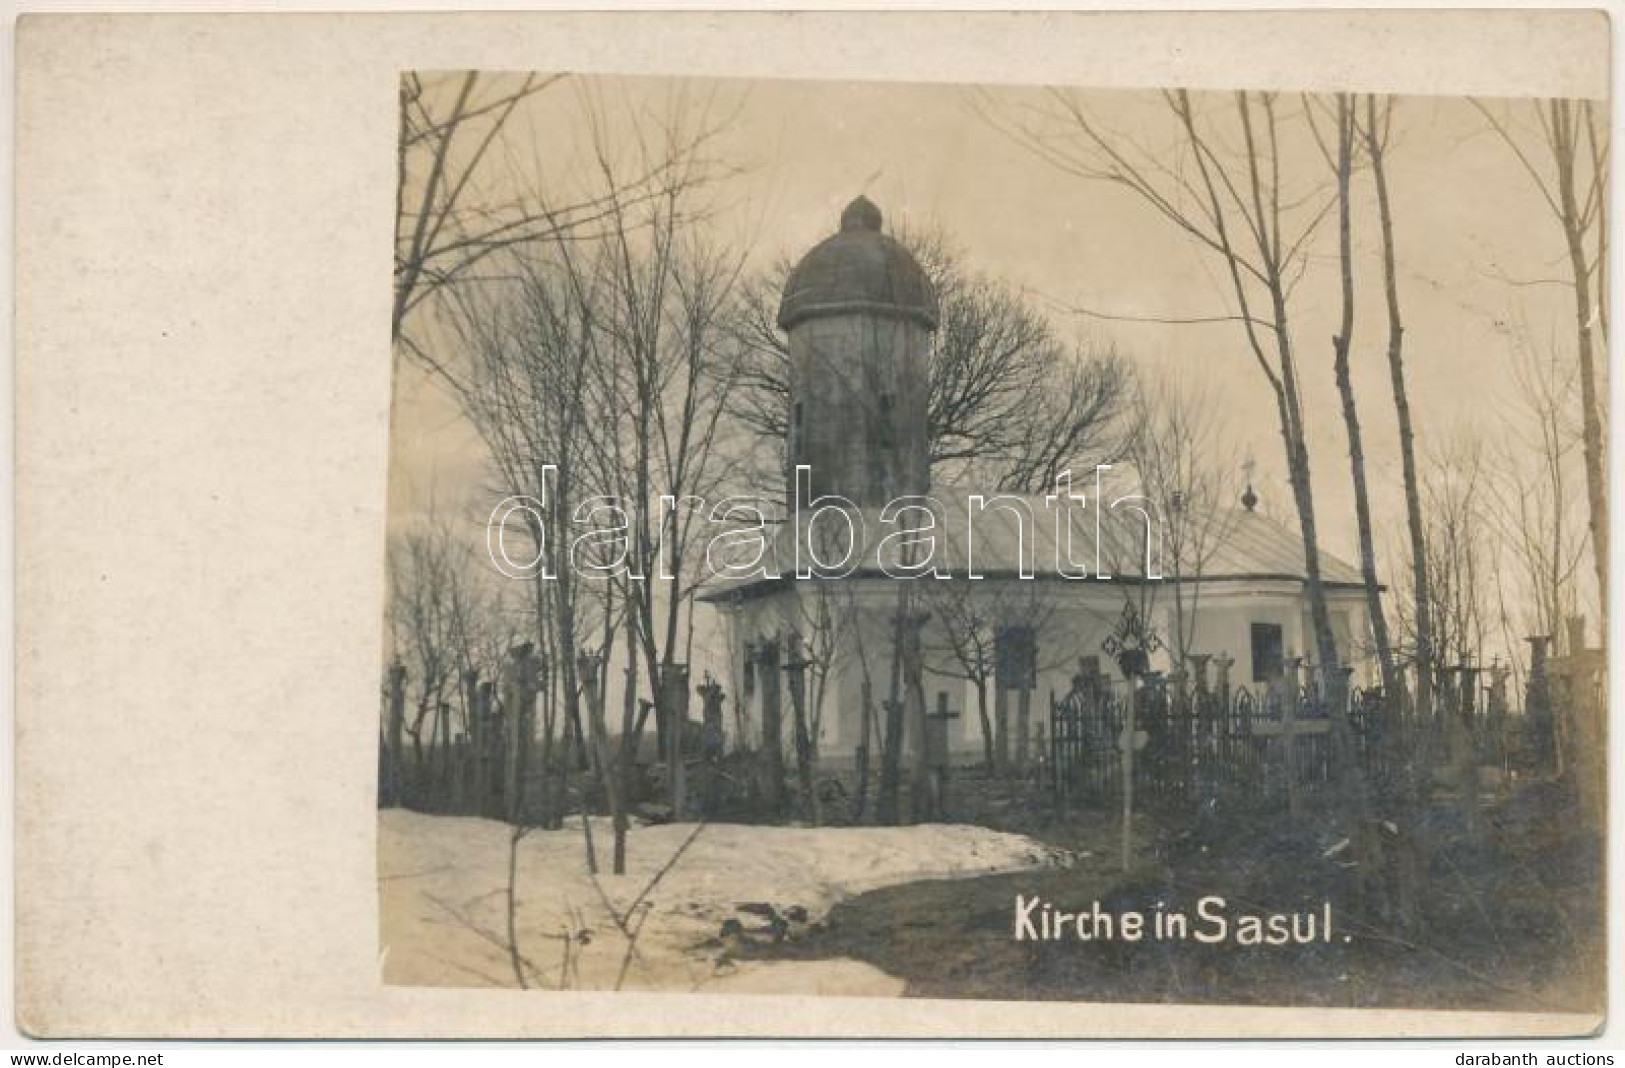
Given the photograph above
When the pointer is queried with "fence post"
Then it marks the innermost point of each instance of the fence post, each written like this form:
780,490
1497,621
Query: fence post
673,706
484,747
936,742
1359,729
444,762
518,696
1179,733
1199,662
767,659
1001,725
711,695
465,743
1496,711
1056,755
1579,709
1127,756
1538,705
1288,691
1223,661
795,667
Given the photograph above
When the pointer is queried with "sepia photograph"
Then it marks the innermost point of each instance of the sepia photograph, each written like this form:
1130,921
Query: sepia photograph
698,533
988,542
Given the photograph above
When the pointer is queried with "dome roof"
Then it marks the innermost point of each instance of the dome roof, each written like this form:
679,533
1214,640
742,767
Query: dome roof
858,269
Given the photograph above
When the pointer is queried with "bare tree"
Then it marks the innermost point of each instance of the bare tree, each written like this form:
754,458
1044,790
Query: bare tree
421,625
822,618
444,620
447,129
1532,505
452,213
968,637
526,343
1231,184
1569,166
666,359
1460,550
1232,189
1187,469
1343,162
1378,126
573,322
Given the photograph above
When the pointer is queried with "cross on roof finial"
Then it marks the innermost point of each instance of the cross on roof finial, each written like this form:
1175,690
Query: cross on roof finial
1249,499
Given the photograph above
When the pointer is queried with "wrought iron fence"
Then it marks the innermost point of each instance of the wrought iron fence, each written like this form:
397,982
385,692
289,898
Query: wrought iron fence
1270,745
1248,747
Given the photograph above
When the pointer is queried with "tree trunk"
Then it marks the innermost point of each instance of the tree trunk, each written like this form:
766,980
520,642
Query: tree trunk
608,765
1303,497
574,738
1351,786
551,816
921,791
627,755
1420,774
860,799
1564,147
1410,757
1345,390
1001,727
395,741
444,769
1024,716
889,804
889,808
987,723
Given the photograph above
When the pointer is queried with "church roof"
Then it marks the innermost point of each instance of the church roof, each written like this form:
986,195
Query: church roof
1246,545
1251,543
859,269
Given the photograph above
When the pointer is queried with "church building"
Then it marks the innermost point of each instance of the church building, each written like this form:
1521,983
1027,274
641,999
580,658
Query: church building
1039,572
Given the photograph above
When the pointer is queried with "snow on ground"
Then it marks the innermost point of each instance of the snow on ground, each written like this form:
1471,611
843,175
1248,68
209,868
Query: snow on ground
443,899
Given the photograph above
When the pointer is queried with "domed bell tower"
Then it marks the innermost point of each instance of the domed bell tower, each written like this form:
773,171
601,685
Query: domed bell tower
860,313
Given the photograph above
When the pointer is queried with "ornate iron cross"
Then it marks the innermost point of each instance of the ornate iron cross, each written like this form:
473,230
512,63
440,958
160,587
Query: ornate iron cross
1132,641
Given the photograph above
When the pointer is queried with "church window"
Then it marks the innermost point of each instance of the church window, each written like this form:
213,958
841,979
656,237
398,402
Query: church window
796,432
1267,662
887,436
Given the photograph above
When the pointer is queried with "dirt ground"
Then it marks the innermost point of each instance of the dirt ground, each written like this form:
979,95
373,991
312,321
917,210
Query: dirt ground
1509,919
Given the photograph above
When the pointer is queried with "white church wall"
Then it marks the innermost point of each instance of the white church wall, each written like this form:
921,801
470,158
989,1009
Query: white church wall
1073,619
